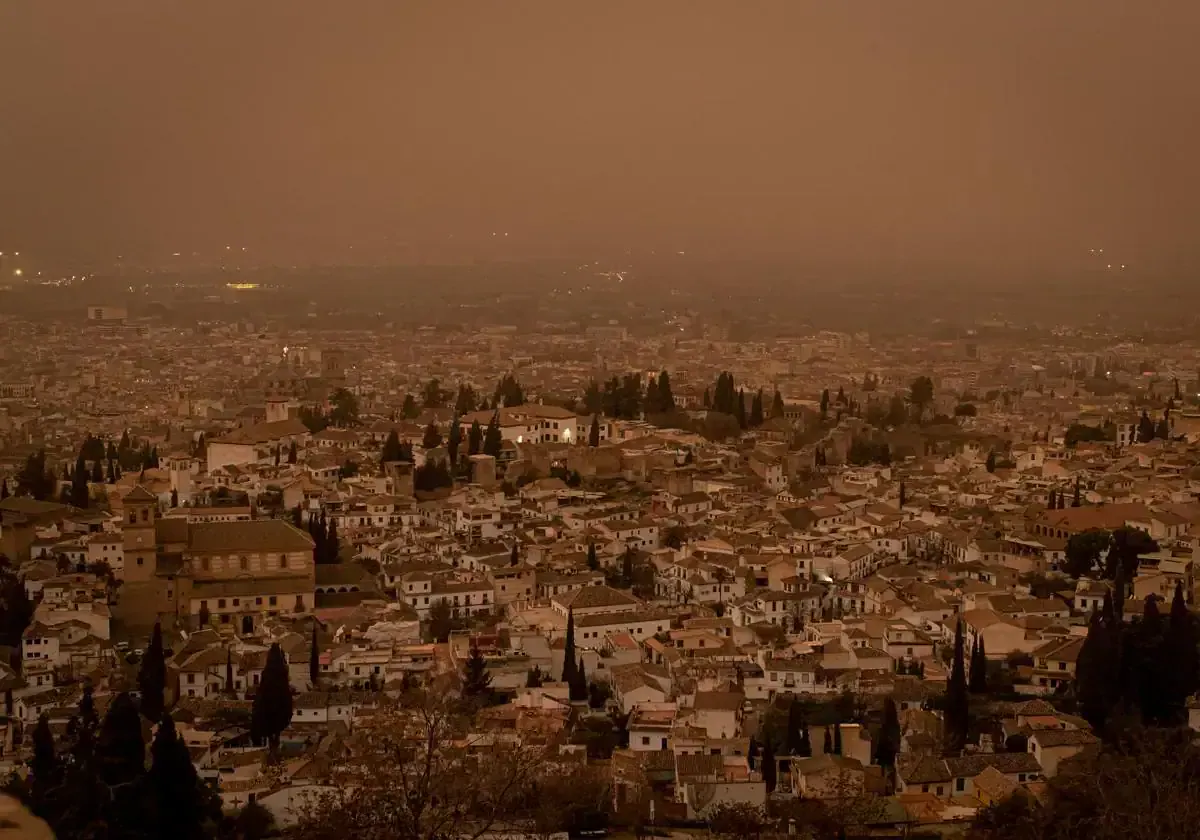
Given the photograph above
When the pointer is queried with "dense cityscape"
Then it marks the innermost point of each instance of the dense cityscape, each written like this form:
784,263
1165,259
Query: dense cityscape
593,574
684,419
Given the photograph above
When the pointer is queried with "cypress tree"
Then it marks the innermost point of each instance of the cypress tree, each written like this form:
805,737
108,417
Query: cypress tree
230,689
578,690
889,735
796,725
756,410
332,548
769,769
1097,671
182,806
837,739
474,438
292,453
805,741
533,677
492,439
514,556
593,562
956,715
903,494
978,677
1182,643
44,765
777,408
569,664
152,676
594,432
174,498
477,682
120,750
1077,500
454,441
314,658
827,746
272,710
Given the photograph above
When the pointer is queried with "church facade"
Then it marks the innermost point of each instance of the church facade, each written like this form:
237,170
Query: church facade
237,572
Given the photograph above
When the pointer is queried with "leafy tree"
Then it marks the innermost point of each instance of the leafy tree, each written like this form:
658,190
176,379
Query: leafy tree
432,475
477,682
432,438
1085,550
920,395
534,677
1139,787
152,676
738,820
254,822
593,399
272,709
1128,545
956,714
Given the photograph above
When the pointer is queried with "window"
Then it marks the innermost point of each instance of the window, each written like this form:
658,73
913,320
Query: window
132,517
244,563
139,561
145,515
205,564
258,602
645,740
271,600
220,603
236,602
283,561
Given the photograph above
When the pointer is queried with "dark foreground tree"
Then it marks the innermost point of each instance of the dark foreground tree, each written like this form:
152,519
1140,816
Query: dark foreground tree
152,676
272,710
180,804
417,770
1146,786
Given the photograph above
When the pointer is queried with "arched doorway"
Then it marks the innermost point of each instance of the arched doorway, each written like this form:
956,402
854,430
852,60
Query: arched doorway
247,625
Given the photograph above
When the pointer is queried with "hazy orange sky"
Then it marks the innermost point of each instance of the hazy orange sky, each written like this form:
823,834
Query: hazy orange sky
980,131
